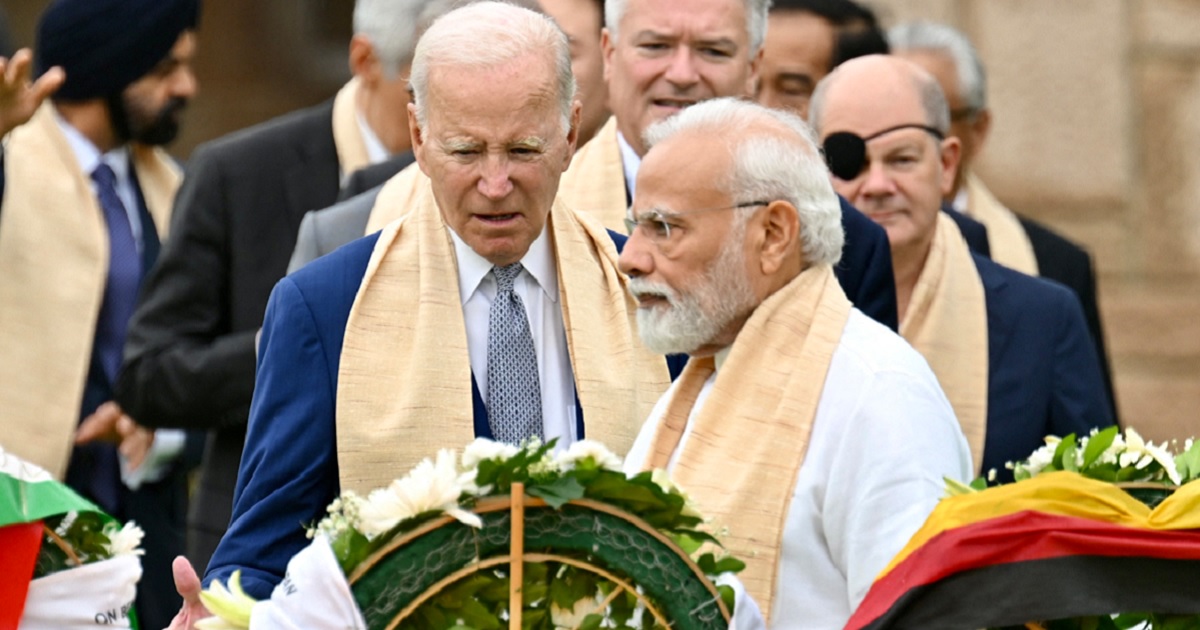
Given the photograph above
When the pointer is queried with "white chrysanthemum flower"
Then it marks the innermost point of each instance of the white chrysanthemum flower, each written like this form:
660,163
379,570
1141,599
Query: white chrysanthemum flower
429,487
1114,450
483,449
1140,454
125,541
583,449
1042,457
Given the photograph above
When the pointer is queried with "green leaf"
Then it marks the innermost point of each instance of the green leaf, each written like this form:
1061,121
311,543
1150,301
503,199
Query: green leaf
728,564
591,622
1188,463
1064,455
557,492
1097,444
728,596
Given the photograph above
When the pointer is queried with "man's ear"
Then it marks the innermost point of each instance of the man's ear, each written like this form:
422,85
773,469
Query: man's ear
364,63
951,155
607,47
573,133
418,137
780,224
752,78
980,128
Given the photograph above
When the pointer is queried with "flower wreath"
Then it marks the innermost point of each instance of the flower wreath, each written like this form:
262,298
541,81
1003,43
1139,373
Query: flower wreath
593,547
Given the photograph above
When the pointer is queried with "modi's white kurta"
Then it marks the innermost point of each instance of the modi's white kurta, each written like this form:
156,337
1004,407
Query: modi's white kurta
883,439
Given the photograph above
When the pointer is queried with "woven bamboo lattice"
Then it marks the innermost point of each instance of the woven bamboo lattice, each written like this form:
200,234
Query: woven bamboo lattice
397,579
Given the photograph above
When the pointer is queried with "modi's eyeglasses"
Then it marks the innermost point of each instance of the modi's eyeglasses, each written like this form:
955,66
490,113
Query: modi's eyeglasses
846,152
656,225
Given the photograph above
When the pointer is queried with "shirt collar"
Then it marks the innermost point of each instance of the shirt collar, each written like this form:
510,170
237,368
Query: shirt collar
89,157
376,152
960,201
473,268
630,160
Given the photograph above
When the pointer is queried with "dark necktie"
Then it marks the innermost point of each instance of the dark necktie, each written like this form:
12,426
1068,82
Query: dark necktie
514,393
124,274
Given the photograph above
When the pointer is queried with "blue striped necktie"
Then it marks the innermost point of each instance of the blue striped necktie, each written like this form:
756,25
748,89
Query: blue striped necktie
124,274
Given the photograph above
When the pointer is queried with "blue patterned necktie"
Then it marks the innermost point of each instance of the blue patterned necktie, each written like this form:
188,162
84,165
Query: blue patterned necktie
124,274
514,393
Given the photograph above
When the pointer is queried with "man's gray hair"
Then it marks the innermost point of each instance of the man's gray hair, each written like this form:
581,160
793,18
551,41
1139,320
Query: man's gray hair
783,164
756,19
394,26
488,34
946,40
933,101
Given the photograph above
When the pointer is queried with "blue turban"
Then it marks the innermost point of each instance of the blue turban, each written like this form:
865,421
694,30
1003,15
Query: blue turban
105,45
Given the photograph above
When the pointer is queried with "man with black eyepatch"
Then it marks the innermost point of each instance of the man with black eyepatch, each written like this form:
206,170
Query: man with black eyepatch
87,193
1011,351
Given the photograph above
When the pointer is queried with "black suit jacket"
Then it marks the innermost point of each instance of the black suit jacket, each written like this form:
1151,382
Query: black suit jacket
190,356
1063,261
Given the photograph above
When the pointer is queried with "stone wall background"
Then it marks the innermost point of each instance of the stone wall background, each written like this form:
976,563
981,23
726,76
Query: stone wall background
1096,106
1097,133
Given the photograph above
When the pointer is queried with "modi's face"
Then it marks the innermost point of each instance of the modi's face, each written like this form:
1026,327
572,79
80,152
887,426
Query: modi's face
669,55
686,257
494,147
148,110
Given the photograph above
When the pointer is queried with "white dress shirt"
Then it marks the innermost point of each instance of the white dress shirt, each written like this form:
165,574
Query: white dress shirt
882,441
537,285
168,443
376,152
630,162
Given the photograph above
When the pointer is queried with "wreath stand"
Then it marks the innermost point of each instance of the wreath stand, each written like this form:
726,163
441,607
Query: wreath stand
591,536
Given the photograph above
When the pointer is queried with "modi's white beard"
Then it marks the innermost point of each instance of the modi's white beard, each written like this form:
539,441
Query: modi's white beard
694,319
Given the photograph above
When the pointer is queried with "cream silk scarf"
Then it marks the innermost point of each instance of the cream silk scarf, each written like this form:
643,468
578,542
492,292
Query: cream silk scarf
347,137
1009,243
595,182
748,441
53,269
947,323
404,385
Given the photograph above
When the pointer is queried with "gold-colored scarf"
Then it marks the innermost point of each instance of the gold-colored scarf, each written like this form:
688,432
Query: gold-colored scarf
404,384
947,323
347,136
1006,236
748,442
404,188
595,182
53,269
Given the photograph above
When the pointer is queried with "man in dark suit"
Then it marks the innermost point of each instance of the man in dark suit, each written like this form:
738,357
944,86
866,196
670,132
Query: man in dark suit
190,354
324,230
1018,242
1011,351
86,193
489,217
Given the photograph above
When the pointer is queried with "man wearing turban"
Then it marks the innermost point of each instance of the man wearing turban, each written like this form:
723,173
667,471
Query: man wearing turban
86,195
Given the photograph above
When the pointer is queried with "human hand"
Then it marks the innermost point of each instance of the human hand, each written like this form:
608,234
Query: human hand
101,425
136,443
19,97
187,584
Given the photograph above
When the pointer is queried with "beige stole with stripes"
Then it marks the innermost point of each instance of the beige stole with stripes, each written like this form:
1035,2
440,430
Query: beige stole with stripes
748,441
53,270
404,384
347,136
947,323
595,183
1006,236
